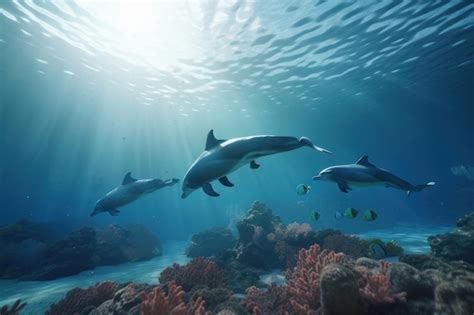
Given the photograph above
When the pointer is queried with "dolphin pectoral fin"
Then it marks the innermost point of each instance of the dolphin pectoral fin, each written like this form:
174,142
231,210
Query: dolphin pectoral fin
254,165
114,212
225,181
344,187
207,187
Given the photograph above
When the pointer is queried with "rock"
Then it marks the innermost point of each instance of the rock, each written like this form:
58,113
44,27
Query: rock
348,245
210,242
455,297
127,300
340,291
103,309
405,278
458,244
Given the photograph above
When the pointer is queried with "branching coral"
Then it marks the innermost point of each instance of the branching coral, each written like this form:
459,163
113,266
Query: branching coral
375,287
77,299
157,303
14,310
296,228
198,271
303,280
272,301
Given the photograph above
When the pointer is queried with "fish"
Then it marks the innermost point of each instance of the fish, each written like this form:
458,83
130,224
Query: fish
337,215
370,215
315,215
350,213
377,251
302,189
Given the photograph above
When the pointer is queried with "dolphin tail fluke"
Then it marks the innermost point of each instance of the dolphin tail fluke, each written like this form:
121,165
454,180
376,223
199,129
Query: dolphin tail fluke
418,188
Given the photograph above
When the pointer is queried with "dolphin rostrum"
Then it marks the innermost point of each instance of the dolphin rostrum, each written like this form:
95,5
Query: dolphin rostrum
130,190
364,173
222,157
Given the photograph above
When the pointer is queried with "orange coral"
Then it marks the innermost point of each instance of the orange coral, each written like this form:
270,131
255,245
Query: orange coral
157,303
303,280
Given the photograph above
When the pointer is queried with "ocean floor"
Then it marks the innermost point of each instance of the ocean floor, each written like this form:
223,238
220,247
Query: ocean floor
41,294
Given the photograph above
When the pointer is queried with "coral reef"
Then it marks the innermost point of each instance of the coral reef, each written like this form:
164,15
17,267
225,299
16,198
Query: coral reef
76,300
303,280
273,300
458,244
349,245
157,302
199,271
210,242
14,310
28,256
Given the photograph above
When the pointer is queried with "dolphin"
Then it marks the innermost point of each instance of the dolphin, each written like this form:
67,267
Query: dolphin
130,190
222,157
364,173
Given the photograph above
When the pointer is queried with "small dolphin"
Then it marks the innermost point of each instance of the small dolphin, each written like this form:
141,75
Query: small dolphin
364,173
222,157
130,190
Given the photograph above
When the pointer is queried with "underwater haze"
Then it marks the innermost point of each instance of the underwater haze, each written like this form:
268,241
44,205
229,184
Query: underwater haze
91,90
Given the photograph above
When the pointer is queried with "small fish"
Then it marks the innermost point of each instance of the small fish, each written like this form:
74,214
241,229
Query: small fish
337,215
370,215
315,215
350,213
377,251
302,189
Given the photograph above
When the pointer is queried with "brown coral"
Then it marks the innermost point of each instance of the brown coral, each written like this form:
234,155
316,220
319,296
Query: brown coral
198,271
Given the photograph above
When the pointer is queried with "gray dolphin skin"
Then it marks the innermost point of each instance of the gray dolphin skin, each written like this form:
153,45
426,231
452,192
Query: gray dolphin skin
364,173
130,190
222,157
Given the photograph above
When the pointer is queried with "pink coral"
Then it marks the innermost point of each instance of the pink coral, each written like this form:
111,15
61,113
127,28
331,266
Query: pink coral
303,280
157,303
296,228
198,271
77,299
272,301
375,287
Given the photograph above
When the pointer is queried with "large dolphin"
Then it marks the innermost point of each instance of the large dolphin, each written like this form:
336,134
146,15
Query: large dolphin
130,190
364,173
222,157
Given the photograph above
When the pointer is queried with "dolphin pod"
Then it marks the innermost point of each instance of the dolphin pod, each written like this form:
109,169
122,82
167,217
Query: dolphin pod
130,190
222,157
364,173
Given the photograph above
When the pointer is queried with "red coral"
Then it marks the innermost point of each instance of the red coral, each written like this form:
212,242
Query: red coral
303,280
157,303
272,301
77,299
198,271
375,287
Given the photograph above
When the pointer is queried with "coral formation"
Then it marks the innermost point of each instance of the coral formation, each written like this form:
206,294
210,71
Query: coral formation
349,245
199,271
157,302
303,280
458,244
77,299
14,310
273,300
28,256
210,242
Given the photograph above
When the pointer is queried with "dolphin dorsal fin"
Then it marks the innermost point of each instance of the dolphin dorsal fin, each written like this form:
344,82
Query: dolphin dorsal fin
211,141
365,161
128,179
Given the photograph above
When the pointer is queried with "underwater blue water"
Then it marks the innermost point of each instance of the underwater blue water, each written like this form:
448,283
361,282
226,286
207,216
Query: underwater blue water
92,90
